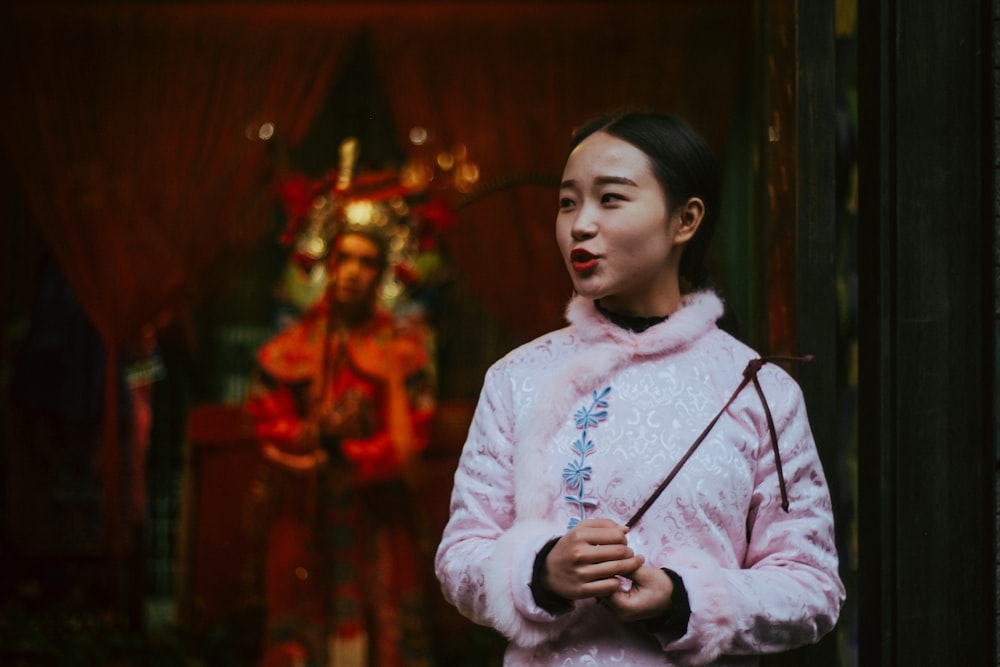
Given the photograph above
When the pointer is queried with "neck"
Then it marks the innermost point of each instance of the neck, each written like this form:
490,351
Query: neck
352,316
636,323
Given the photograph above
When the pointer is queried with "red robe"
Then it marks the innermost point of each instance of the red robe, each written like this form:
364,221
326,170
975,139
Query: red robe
343,570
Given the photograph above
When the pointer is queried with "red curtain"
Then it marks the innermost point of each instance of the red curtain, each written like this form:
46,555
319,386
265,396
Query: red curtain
135,134
512,81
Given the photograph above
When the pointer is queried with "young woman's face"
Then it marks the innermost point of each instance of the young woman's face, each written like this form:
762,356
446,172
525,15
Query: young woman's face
615,230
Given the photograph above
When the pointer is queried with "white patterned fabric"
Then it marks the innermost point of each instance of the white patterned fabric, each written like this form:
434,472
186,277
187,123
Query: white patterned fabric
585,422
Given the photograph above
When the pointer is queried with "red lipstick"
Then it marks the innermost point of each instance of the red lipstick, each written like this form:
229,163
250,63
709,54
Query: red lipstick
582,260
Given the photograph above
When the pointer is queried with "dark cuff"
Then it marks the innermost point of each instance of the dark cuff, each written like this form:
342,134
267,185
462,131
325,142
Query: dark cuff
673,625
544,598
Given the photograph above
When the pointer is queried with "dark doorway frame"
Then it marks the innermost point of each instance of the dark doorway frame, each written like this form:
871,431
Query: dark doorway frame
927,400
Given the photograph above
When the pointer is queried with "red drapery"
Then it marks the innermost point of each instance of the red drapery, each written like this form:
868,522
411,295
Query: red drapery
512,81
135,137
128,128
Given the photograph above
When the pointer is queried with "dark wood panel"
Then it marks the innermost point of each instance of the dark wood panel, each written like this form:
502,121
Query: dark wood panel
927,396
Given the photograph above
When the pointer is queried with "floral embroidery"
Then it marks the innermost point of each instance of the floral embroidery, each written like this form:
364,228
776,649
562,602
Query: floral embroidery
578,473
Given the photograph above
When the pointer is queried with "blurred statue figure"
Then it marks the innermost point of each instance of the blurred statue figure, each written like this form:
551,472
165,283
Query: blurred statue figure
342,407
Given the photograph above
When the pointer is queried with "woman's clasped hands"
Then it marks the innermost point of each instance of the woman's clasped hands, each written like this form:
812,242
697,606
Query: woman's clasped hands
594,560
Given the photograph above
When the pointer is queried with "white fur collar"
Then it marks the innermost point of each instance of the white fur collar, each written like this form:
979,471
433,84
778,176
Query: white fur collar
698,314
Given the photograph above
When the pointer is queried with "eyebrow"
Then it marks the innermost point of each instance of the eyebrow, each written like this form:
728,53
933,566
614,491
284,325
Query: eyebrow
603,180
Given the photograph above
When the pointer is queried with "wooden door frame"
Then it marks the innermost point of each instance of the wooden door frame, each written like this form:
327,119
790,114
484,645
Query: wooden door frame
926,464
926,404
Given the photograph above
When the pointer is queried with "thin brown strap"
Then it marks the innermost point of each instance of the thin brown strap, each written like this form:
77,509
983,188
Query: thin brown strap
749,375
774,443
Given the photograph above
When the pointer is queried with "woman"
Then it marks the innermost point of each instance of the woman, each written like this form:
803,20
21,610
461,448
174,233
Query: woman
574,431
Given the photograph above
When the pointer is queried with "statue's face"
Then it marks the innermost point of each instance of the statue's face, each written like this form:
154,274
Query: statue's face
355,268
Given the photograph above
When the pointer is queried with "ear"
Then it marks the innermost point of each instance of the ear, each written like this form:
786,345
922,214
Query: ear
691,214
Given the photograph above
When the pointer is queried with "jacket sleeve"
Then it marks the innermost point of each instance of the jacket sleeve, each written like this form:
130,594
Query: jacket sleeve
788,592
485,558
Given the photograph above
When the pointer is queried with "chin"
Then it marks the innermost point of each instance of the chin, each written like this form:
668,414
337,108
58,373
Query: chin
349,299
589,291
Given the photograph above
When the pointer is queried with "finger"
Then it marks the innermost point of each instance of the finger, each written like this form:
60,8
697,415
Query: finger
609,569
585,555
601,589
648,576
600,522
601,535
649,595
610,552
591,546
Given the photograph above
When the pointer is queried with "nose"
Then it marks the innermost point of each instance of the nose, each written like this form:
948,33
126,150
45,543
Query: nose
351,268
584,225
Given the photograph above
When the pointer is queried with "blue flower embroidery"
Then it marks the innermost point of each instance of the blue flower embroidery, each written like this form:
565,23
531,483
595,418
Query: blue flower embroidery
578,473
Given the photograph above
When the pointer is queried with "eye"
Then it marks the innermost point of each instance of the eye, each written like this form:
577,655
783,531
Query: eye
611,197
566,202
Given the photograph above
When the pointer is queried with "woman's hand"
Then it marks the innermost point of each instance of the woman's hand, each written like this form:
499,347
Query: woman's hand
586,561
649,595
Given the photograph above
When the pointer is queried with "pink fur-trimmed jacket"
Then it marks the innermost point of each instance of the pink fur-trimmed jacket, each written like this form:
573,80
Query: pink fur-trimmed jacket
585,422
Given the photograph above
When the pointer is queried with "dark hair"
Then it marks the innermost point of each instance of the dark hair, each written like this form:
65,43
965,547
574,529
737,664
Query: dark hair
683,164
